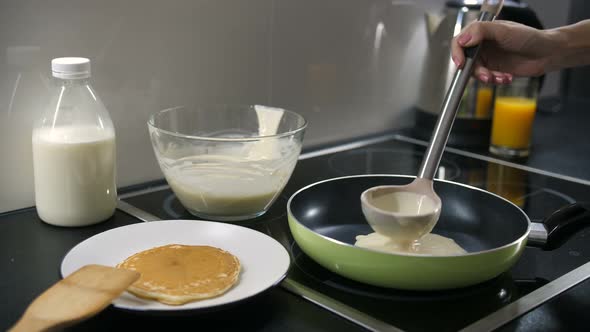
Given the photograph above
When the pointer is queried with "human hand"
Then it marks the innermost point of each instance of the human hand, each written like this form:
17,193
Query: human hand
509,49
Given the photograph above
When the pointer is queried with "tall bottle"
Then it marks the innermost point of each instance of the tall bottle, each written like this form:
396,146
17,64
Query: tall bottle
74,151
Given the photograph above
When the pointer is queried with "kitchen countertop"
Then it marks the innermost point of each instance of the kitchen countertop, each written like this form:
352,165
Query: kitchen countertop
561,140
32,252
559,143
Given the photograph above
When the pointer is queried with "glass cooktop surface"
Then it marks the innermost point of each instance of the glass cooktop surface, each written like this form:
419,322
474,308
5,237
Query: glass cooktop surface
538,195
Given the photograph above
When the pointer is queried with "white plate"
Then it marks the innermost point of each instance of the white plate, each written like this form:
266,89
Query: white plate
264,261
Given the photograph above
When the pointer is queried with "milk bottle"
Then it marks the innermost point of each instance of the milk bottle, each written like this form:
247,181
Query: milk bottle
74,151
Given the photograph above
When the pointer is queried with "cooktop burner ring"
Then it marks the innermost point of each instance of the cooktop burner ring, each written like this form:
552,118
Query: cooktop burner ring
534,269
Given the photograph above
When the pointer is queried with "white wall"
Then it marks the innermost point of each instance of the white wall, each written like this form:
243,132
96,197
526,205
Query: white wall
349,66
552,14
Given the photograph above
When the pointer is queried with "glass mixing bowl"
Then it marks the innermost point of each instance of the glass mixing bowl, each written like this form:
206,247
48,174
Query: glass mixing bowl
227,163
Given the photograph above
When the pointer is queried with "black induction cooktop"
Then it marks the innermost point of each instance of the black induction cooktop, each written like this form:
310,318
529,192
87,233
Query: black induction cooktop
537,193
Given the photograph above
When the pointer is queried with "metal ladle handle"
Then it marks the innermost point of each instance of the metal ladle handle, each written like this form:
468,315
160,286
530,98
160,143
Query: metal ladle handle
450,104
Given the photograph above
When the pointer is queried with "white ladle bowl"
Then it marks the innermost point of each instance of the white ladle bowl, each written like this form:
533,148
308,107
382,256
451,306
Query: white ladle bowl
403,213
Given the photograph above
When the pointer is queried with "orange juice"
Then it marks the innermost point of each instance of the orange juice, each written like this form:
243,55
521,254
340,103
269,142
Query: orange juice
512,122
484,102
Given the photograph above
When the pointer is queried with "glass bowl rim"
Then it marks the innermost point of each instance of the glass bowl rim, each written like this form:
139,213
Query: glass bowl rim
293,132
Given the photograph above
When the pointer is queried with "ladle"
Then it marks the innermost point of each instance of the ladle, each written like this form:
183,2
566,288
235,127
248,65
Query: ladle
406,213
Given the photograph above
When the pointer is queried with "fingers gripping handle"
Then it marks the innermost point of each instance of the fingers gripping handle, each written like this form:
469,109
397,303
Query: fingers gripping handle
489,11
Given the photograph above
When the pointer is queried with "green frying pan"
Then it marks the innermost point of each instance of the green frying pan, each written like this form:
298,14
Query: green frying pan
325,218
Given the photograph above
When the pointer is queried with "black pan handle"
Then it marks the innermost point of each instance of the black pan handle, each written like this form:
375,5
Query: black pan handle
565,222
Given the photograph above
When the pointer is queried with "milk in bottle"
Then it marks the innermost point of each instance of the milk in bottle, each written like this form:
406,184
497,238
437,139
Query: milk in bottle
74,151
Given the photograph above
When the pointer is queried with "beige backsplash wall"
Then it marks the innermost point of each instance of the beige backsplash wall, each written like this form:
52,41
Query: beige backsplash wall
347,65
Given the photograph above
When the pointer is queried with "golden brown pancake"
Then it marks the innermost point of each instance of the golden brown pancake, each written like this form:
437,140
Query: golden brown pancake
176,274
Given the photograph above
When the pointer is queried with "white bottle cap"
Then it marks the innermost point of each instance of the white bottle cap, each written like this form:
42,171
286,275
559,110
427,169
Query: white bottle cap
70,68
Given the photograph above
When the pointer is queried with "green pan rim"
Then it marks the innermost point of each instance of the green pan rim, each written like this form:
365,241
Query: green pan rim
513,243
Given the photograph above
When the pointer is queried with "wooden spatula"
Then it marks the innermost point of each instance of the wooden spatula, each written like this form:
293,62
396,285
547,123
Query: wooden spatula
75,298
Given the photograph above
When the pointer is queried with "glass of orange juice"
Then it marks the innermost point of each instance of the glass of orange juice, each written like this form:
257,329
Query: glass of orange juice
512,121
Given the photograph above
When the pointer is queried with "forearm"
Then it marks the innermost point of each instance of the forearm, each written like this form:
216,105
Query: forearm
574,46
